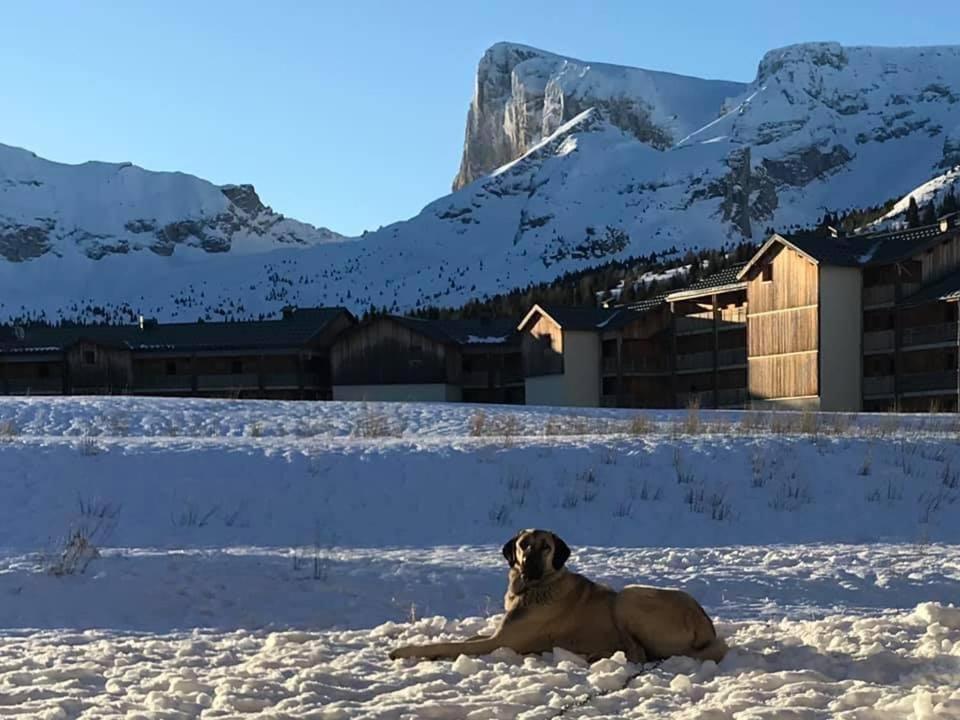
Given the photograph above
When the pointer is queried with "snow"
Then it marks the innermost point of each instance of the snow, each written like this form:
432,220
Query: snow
486,339
933,189
261,558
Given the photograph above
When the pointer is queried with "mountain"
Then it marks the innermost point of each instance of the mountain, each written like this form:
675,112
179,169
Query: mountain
97,209
592,163
524,95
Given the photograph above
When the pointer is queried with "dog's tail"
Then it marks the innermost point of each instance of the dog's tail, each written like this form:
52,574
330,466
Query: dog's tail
715,649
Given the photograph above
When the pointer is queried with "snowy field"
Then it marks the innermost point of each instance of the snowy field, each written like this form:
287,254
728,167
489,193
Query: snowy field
181,559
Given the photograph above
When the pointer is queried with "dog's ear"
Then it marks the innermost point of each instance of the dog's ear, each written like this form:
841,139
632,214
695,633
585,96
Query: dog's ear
560,552
510,550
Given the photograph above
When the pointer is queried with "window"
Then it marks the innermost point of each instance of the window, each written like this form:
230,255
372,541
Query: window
768,272
89,357
171,367
236,367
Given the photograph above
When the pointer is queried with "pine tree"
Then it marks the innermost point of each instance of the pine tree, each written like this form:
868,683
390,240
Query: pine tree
913,214
929,216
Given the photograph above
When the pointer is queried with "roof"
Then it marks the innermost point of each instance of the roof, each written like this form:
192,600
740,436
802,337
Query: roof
576,317
472,331
727,278
859,250
296,329
946,288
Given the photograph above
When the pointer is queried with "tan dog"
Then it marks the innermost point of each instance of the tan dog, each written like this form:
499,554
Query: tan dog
547,607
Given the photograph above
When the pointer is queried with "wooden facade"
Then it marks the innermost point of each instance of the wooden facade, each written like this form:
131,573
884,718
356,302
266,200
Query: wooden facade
476,361
783,326
274,359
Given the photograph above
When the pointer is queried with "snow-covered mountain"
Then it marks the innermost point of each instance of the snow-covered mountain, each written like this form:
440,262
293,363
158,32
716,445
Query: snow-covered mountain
97,209
587,163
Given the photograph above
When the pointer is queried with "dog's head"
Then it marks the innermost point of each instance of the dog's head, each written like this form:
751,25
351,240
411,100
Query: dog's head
536,553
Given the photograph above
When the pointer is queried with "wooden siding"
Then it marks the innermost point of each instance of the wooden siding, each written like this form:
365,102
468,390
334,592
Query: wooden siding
940,259
387,352
542,348
783,376
794,283
783,327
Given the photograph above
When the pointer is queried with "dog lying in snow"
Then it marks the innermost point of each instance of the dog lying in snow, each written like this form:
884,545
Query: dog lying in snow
548,606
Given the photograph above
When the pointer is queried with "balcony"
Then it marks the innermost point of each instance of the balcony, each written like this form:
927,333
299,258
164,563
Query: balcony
878,386
879,341
161,383
33,386
638,365
487,378
927,382
939,334
884,295
702,322
238,381
289,381
726,398
691,362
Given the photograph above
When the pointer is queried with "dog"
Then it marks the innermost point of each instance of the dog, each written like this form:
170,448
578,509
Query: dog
547,606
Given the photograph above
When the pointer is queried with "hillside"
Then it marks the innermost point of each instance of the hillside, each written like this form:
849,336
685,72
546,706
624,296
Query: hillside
603,164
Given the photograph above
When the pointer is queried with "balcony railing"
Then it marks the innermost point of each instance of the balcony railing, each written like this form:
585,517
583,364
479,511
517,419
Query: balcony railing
238,381
169,383
881,385
702,322
879,341
704,360
879,295
637,364
726,398
495,378
921,382
939,334
33,386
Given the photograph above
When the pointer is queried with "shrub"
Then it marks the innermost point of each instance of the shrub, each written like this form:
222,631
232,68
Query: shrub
8,429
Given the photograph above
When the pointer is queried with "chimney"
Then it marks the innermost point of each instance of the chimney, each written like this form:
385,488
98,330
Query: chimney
146,323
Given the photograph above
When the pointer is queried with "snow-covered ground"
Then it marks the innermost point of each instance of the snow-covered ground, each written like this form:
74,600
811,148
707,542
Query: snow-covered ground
260,559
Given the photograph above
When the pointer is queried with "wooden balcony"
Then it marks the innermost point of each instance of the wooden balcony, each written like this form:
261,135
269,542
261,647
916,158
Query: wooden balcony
703,361
885,295
164,383
878,341
726,398
878,386
930,335
477,379
32,386
237,381
702,322
945,381
638,365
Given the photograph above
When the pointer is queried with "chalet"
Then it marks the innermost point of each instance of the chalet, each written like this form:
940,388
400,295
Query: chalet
401,358
282,359
863,321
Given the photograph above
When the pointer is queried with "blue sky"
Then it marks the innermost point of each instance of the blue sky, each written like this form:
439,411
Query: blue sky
351,114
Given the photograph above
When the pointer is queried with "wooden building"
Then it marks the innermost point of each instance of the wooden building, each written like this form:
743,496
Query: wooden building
401,358
709,343
864,321
282,359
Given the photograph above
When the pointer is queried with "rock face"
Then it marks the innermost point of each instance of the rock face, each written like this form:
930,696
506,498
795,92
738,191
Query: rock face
101,209
566,164
523,95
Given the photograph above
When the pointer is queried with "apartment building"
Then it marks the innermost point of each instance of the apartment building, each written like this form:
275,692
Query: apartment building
280,359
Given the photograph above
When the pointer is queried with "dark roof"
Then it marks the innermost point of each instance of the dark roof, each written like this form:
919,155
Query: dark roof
721,278
946,288
474,331
574,317
296,329
869,249
648,304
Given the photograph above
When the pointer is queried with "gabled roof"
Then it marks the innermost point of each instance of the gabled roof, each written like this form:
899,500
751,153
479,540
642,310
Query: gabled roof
473,331
296,329
726,279
859,250
573,317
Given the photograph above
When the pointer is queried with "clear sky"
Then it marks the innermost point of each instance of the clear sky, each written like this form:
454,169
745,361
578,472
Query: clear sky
351,114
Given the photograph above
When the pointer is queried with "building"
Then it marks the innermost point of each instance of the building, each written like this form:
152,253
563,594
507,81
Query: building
283,359
857,322
709,343
400,358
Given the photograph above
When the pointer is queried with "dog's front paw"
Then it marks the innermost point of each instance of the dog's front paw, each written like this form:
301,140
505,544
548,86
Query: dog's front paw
403,652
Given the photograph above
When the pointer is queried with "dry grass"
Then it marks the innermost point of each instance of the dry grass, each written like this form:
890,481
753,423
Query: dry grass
376,424
8,429
640,424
